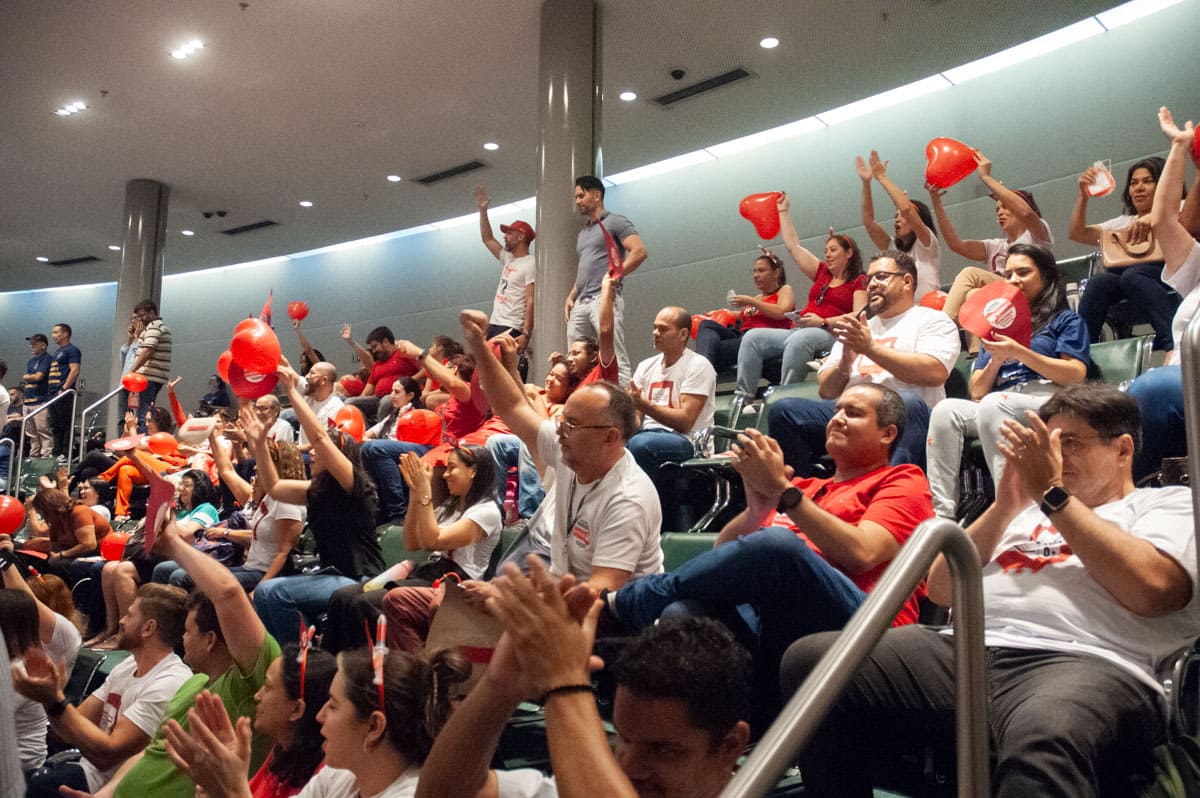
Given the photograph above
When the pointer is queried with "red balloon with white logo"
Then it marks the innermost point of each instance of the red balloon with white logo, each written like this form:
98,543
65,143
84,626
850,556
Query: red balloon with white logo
250,384
948,161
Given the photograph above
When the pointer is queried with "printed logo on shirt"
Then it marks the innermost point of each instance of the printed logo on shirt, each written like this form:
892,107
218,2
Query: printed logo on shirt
869,368
1044,547
108,715
660,393
581,534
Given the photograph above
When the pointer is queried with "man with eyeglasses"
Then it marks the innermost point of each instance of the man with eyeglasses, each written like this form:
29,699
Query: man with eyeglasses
1088,584
318,392
267,409
900,344
601,514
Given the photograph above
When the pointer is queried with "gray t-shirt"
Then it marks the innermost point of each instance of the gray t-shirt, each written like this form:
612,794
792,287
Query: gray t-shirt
593,252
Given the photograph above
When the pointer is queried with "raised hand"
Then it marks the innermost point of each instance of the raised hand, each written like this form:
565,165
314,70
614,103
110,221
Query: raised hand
878,166
481,198
346,332
864,171
417,474
474,326
1172,131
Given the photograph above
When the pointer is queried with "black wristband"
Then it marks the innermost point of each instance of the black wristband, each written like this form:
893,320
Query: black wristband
566,688
55,708
424,354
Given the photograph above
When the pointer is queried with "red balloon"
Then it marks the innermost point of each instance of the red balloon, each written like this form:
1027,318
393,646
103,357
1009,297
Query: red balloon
246,324
948,161
1196,146
223,362
112,545
763,212
12,515
724,316
255,347
249,384
934,299
298,310
349,419
420,426
134,382
163,443
696,319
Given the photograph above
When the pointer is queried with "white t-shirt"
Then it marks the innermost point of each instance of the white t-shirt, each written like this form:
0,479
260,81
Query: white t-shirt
509,308
612,522
324,411
918,329
30,716
4,403
525,783
1037,594
337,783
475,557
1185,280
281,431
264,541
996,249
929,265
662,386
141,699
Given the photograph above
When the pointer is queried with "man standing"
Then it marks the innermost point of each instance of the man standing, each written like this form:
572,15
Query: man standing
674,393
904,346
153,356
1088,584
581,308
513,310
64,374
36,378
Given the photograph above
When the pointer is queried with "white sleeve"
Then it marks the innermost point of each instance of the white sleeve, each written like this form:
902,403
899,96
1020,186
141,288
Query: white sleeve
547,444
64,642
146,712
621,539
1117,222
286,511
939,337
700,379
485,515
835,357
525,783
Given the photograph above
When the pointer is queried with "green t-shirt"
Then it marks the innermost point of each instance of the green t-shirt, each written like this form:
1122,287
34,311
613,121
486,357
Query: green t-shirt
155,775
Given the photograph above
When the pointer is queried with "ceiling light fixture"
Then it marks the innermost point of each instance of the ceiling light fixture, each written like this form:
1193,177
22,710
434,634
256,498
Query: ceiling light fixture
183,51
71,108
42,259
305,203
628,96
187,232
769,43
491,145
115,247
394,178
1025,51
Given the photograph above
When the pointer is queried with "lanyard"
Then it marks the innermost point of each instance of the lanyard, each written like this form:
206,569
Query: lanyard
573,512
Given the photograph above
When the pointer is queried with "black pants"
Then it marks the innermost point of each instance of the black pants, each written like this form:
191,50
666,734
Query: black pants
45,781
1060,724
60,426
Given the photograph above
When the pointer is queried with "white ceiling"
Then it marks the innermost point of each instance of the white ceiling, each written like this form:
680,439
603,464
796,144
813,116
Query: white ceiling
320,99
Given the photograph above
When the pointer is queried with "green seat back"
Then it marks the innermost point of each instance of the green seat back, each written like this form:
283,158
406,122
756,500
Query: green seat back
1114,362
679,547
392,544
1076,269
959,381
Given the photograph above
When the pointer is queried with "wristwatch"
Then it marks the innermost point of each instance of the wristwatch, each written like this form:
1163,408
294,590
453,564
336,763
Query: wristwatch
1054,500
791,497
55,708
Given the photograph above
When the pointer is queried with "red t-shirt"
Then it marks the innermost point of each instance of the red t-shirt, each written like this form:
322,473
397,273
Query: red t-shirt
752,319
838,300
385,372
609,373
266,784
895,497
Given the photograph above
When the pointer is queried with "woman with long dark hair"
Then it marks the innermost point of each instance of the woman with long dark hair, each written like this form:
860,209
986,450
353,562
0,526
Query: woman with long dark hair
1008,377
914,230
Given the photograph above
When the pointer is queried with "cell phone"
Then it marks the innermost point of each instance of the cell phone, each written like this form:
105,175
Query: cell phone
793,315
727,433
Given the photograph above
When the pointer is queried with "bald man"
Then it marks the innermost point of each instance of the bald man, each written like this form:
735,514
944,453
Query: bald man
318,392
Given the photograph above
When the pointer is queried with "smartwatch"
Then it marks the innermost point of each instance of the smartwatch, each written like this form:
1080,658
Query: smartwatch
1054,500
790,498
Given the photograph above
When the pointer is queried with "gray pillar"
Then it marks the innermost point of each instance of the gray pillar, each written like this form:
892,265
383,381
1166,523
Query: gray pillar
566,148
143,238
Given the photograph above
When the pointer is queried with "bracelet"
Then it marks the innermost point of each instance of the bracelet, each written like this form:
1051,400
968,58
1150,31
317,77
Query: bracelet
566,688
424,354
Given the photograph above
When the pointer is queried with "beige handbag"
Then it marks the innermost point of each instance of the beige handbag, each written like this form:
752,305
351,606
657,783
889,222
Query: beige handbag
1116,251
473,632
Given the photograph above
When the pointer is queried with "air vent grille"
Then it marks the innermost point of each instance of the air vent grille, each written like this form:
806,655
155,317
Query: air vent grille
453,171
703,87
75,261
249,228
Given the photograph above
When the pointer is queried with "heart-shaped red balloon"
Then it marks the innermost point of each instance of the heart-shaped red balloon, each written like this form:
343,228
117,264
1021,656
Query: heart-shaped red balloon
349,419
249,384
724,316
255,347
948,161
134,382
763,212
298,310
163,443
12,515
935,300
420,426
223,362
1196,146
112,545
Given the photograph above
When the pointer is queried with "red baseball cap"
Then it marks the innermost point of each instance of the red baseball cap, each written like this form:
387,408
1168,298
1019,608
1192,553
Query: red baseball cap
997,309
521,227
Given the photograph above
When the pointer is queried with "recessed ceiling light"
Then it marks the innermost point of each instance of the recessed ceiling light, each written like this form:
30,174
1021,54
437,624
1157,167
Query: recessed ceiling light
187,232
115,247
769,43
180,54
42,259
305,203
72,108
628,96
491,145
394,178
188,48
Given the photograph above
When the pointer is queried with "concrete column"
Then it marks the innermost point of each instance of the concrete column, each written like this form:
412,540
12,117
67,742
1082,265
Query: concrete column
143,238
567,119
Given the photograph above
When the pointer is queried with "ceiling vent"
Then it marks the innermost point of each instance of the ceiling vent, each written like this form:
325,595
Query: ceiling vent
249,228
703,87
453,171
75,261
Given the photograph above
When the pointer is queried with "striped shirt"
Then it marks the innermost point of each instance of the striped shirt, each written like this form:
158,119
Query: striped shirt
157,335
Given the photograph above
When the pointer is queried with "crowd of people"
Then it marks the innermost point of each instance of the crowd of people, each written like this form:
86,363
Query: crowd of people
252,672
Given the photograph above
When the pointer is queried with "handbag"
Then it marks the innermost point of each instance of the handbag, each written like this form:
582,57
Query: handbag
473,632
1116,251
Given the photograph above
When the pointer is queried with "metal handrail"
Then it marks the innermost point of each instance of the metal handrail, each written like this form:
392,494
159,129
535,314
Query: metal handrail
1189,361
12,460
83,417
25,421
804,712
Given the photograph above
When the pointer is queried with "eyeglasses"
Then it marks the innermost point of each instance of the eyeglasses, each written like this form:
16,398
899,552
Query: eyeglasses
567,428
821,294
1071,444
882,276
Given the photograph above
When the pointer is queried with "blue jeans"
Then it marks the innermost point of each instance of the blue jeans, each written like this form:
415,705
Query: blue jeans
280,602
144,401
653,447
709,336
1159,394
1142,285
797,347
799,426
5,461
179,578
380,458
509,452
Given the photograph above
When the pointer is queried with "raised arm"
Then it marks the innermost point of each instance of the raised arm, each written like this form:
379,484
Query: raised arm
875,230
364,355
47,618
1011,200
176,408
1079,230
240,488
900,199
970,249
318,437
505,396
305,346
485,226
447,377
635,253
1173,237
807,261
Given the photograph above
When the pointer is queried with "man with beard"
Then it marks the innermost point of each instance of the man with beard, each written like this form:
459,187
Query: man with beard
318,392
899,344
512,311
387,361
119,719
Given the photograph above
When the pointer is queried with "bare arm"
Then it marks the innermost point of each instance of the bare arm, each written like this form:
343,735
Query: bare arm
1173,237
421,528
364,355
1011,200
635,254
785,304
485,226
530,304
900,199
47,618
681,419
1060,369
239,487
970,248
608,349
807,261
305,346
505,396
1079,230
875,230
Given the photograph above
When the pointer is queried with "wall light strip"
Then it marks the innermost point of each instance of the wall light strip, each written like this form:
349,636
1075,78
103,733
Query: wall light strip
790,130
1033,48
885,99
1128,12
661,167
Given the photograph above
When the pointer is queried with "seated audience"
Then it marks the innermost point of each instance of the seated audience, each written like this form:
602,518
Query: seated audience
387,361
838,288
767,310
217,396
62,530
1088,583
126,474
119,719
1009,378
1159,392
673,393
680,710
914,231
268,409
904,346
382,449
340,498
405,396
